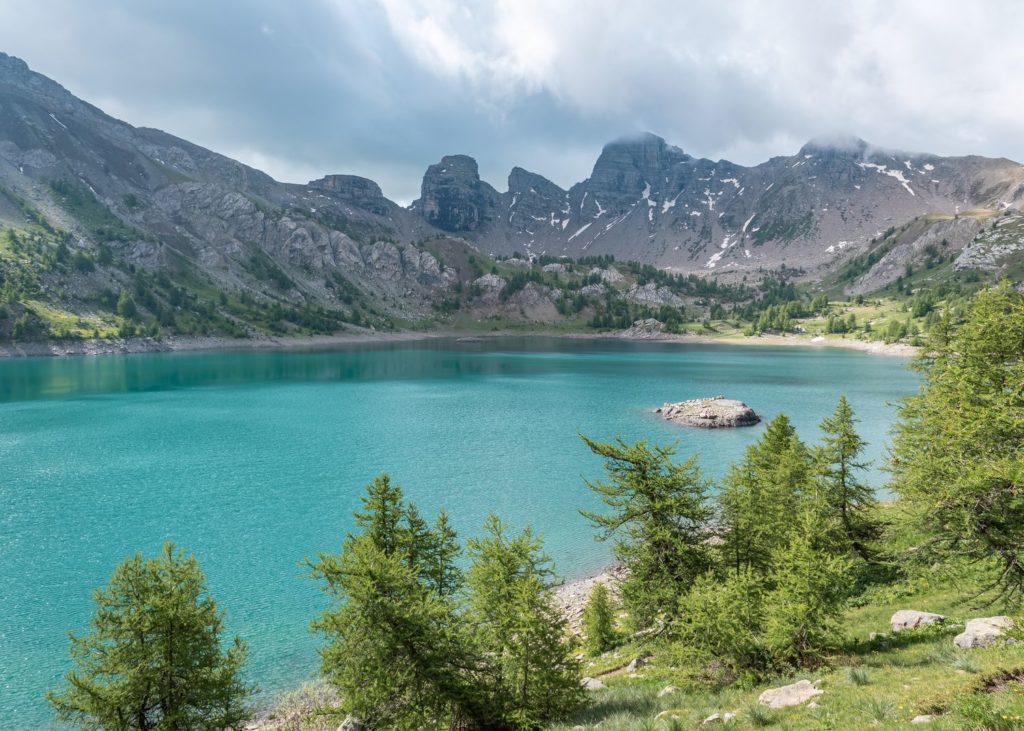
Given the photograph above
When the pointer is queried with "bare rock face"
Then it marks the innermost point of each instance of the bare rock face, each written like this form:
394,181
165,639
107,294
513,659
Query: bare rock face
453,198
789,695
710,413
912,619
361,192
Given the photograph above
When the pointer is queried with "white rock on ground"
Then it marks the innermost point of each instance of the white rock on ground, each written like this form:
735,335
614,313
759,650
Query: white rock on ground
983,631
591,684
635,664
922,719
789,695
667,690
912,619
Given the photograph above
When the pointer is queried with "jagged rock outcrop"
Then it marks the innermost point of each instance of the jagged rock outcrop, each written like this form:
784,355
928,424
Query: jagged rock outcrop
648,200
453,198
709,413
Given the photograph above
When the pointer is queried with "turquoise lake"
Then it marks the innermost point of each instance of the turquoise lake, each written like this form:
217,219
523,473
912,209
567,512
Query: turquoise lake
254,460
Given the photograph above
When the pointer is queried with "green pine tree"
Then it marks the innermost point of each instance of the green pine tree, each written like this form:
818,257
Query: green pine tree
530,676
846,498
761,494
660,520
810,585
598,621
958,450
153,659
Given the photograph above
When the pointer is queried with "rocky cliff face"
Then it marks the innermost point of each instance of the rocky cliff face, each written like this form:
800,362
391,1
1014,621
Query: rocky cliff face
453,198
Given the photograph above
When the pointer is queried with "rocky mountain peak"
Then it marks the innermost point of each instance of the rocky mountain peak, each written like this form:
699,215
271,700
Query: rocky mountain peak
836,146
358,191
452,196
12,65
524,182
629,165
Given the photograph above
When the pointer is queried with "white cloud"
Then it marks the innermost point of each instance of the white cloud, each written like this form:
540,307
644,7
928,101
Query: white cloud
740,75
382,88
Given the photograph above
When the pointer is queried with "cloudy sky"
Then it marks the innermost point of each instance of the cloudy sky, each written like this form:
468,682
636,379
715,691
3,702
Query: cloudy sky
383,88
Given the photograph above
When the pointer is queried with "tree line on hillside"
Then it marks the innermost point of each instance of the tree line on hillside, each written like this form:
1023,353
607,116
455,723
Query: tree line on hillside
425,631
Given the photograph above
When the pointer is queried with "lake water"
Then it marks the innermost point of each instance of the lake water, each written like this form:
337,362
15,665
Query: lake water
256,460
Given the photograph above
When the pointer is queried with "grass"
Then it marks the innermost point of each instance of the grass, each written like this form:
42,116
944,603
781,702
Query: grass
883,683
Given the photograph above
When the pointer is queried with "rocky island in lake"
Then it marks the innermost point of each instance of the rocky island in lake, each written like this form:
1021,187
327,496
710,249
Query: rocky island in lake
710,413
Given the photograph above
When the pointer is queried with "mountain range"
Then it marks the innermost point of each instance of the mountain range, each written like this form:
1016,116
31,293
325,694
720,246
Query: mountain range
125,207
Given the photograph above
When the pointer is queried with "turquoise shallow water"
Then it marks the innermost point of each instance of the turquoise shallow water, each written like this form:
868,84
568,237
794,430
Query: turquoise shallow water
255,460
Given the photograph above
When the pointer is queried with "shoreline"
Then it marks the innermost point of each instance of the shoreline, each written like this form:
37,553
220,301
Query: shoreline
196,344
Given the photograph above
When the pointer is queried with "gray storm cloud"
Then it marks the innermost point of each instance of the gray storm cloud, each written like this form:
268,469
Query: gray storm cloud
382,89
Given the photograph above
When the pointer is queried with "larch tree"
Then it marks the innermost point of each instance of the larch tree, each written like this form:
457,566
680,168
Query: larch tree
153,660
958,449
659,519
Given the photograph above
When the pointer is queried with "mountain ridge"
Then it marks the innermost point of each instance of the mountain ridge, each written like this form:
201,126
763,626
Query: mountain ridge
92,206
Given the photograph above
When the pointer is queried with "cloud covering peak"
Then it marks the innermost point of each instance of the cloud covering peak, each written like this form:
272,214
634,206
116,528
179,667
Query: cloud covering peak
382,89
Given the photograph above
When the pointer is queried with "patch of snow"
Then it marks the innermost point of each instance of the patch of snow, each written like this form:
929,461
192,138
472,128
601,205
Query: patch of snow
856,186
808,157
695,213
714,259
583,228
746,253
929,167
747,222
600,211
582,202
898,174
565,222
54,118
734,181
769,187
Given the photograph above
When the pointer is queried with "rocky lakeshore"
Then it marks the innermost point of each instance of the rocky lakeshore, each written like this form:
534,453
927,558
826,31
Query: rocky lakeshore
716,412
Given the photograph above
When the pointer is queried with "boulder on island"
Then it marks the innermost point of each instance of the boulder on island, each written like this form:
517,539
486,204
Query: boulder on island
710,413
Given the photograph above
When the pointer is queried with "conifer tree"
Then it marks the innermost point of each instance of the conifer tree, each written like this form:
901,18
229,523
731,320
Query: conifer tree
153,659
598,621
522,631
847,499
958,451
413,644
809,587
659,519
761,494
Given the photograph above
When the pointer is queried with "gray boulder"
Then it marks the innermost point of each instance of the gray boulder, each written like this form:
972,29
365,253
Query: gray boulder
983,631
591,684
912,619
789,695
